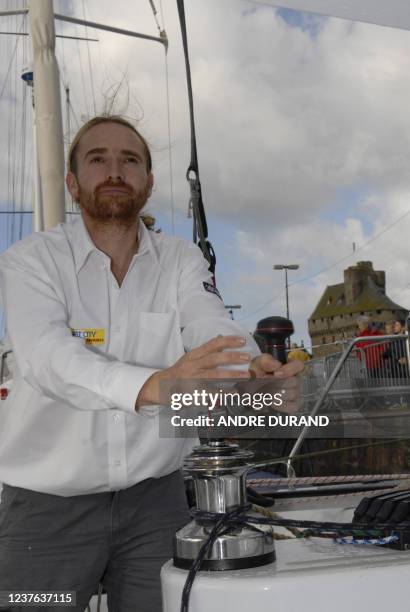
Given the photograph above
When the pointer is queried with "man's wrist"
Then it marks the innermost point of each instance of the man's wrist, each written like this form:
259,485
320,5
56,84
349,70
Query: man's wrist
149,392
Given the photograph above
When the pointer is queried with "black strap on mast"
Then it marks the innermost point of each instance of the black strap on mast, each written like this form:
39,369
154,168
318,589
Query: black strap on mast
200,227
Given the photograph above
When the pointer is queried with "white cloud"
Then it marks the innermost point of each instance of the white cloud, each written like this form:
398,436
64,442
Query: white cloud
303,140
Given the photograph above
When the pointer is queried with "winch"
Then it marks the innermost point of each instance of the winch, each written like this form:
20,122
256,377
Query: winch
219,470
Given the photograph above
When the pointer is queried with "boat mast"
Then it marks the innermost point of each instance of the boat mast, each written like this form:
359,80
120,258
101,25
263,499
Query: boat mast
47,105
48,116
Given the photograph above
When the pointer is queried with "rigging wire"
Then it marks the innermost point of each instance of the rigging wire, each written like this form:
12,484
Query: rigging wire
23,141
83,85
400,290
12,59
14,148
76,119
90,68
65,80
170,156
200,227
334,264
277,296
155,13
65,83
360,248
7,83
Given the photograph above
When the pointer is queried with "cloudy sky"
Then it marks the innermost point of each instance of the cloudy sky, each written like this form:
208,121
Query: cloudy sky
302,127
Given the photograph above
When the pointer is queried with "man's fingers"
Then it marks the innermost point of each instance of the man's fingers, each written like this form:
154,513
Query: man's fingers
264,364
289,369
223,373
224,358
220,343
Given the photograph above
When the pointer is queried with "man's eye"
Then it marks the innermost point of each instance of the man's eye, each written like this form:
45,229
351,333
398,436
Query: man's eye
133,160
96,160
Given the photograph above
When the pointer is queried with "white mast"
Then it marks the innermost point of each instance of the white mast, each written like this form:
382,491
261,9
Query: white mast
47,103
47,106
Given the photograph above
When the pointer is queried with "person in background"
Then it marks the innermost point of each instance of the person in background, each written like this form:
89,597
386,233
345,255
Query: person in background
399,351
387,357
371,349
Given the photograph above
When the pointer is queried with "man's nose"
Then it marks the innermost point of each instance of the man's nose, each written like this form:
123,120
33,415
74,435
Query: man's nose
115,170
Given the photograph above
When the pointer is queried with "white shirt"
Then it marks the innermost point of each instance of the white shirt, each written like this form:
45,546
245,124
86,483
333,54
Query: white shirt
69,426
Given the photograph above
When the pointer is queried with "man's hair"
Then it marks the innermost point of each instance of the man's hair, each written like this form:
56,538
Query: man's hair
72,153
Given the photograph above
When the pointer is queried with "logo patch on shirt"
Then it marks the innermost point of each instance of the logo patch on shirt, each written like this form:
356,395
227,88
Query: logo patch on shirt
211,289
90,335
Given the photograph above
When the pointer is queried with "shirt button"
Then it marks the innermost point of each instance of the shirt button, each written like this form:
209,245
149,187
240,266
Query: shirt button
117,463
116,418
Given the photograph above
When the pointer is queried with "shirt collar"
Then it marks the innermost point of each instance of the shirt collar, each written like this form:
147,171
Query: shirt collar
83,245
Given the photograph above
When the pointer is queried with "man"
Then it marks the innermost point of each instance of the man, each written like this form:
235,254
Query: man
99,313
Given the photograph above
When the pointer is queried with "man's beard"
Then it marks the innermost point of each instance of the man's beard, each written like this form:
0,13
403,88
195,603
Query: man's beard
120,209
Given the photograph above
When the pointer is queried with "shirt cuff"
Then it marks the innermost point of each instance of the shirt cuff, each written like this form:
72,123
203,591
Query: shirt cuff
123,383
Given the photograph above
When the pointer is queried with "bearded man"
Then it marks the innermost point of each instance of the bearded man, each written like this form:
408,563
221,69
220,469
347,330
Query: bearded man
99,312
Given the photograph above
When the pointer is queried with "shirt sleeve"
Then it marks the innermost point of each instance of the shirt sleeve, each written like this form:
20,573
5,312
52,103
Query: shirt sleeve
203,315
46,354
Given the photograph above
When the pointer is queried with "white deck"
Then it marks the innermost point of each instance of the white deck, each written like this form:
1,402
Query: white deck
314,575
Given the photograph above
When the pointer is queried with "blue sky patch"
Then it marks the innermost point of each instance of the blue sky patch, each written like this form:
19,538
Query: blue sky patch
307,22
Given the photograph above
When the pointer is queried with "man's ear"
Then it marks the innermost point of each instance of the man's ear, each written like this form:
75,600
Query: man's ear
72,185
150,183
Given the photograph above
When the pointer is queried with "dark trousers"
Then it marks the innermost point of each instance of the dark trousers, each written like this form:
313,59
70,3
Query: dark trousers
121,539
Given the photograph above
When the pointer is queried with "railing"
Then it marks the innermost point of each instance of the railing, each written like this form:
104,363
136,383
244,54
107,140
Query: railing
369,366
373,363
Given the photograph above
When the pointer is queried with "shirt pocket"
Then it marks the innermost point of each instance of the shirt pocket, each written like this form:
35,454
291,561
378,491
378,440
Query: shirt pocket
157,341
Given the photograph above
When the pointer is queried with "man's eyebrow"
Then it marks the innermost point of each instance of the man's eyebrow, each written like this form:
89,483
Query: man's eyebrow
130,152
104,150
94,151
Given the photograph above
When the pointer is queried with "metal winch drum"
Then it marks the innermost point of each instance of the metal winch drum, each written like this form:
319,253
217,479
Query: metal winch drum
219,472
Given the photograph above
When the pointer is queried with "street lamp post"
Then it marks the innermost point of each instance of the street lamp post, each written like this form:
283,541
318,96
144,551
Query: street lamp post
286,267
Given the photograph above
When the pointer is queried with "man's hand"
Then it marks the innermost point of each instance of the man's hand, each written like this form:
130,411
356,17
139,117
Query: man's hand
265,366
206,361
279,377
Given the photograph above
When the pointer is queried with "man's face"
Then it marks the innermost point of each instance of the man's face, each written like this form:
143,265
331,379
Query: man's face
112,183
